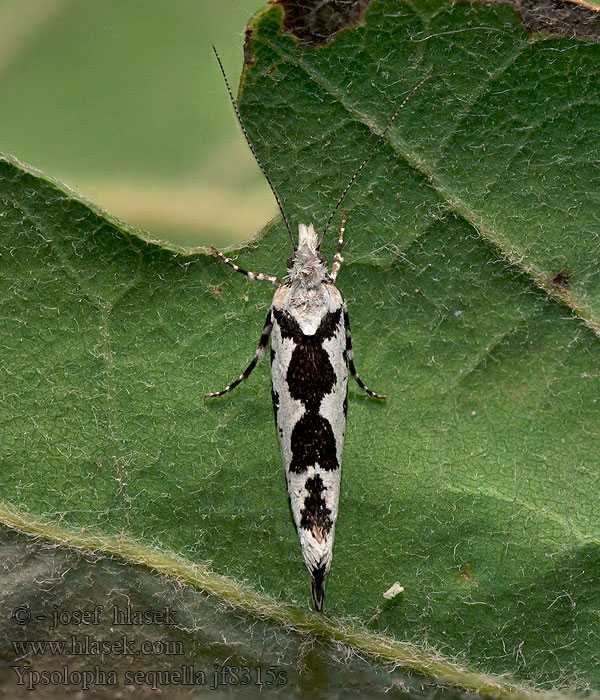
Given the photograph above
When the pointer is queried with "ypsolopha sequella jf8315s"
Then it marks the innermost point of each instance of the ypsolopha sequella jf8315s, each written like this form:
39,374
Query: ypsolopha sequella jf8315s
311,355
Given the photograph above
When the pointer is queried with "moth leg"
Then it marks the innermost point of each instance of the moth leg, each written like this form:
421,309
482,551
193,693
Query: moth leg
259,354
350,358
251,275
338,260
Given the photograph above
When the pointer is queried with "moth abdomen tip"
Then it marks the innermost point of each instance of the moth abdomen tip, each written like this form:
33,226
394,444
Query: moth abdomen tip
318,576
318,595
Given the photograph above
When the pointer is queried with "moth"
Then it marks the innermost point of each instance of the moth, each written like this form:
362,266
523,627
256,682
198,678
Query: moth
311,356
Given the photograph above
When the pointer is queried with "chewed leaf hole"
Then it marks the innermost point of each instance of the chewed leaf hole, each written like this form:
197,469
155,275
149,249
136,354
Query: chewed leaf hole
315,24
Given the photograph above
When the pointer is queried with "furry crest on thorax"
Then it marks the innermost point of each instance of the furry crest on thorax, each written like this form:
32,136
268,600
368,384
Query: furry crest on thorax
309,267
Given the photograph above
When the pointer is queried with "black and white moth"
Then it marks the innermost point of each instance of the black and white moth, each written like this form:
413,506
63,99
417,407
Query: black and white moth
311,355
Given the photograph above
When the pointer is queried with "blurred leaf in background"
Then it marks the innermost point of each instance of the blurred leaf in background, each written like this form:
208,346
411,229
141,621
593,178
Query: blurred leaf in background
125,103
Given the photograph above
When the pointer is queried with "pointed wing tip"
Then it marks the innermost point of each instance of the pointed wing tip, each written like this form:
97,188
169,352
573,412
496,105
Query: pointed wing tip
318,595
318,576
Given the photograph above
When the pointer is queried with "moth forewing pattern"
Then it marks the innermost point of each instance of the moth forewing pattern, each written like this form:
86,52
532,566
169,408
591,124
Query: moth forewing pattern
309,379
311,354
311,357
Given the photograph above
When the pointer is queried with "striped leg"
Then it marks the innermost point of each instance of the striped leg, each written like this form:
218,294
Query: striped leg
259,354
338,260
251,275
350,358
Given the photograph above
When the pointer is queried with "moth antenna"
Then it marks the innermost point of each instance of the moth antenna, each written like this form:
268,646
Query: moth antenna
260,165
368,158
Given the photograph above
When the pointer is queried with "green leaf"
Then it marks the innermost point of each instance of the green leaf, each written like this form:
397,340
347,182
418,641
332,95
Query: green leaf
472,279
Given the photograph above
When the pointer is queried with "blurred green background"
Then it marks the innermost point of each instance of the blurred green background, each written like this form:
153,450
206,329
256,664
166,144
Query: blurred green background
123,101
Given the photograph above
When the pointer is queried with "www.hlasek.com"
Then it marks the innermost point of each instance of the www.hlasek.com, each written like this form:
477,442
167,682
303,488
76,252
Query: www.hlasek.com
86,645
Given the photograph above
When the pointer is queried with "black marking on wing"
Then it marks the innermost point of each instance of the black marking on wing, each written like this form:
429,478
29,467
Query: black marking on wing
315,516
318,574
313,442
310,376
291,329
329,325
272,354
291,510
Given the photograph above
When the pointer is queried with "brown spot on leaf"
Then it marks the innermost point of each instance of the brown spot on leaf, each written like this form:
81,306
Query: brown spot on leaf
465,573
562,278
216,290
574,19
316,23
248,55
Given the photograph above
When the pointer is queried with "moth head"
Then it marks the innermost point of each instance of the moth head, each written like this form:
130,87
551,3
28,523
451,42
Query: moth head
307,266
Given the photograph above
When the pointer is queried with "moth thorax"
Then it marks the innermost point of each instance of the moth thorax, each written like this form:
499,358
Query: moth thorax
309,267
